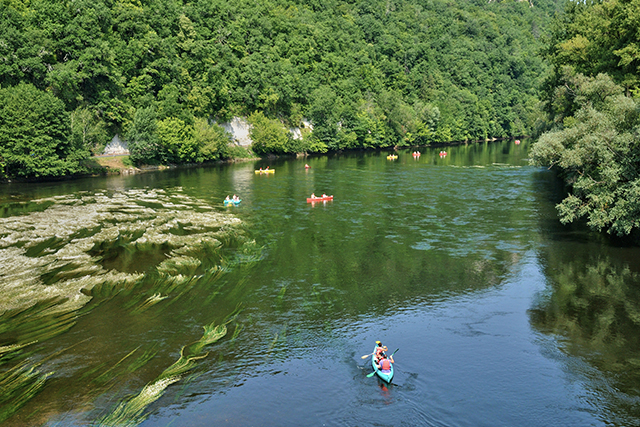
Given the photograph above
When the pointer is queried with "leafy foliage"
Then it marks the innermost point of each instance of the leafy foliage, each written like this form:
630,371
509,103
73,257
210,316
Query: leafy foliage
144,145
88,131
362,71
594,141
268,136
597,152
33,134
598,37
176,139
212,140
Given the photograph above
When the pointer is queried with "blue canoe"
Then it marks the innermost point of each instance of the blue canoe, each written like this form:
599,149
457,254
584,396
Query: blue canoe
386,377
232,202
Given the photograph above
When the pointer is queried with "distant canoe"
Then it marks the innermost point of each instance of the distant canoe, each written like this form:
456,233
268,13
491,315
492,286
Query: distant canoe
319,199
232,202
392,157
266,171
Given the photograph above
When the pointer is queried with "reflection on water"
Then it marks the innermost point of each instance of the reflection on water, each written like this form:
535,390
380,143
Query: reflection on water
594,307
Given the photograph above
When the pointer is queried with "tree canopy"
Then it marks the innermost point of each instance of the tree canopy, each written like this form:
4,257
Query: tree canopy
33,134
593,110
366,73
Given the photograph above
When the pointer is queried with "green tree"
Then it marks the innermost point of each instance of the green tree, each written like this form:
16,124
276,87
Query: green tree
142,137
597,154
88,130
267,135
212,140
34,134
177,141
324,112
355,69
596,38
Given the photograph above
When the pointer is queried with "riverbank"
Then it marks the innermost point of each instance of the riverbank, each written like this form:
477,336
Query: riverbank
119,164
116,164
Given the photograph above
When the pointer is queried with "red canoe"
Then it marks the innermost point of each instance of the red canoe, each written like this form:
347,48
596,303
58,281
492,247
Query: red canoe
319,199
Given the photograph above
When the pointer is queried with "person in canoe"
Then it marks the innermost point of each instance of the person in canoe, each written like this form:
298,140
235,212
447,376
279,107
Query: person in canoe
306,166
385,363
324,195
227,199
380,351
313,195
235,198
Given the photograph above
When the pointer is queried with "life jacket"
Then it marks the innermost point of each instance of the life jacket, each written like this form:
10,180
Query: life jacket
385,364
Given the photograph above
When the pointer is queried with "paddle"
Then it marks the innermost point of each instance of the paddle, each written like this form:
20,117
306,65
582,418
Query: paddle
376,366
366,355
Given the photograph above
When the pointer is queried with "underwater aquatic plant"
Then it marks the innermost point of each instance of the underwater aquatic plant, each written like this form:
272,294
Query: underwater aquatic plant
78,239
148,248
130,412
18,385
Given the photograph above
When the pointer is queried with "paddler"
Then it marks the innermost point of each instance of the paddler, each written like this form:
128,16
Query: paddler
380,350
385,364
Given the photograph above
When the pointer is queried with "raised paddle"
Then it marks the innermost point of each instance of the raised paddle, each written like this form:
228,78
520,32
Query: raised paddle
376,366
366,355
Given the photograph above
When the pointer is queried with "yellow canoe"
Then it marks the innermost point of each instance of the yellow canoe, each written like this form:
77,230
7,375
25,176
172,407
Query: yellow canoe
392,157
266,171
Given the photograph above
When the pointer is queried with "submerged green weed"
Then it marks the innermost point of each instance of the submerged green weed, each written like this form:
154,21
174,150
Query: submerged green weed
130,412
152,300
19,384
78,239
106,375
145,247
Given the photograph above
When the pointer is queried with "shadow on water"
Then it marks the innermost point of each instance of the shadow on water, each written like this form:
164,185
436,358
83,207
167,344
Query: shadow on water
591,307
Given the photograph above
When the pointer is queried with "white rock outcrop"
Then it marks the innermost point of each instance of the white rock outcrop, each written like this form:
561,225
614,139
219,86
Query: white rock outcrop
116,147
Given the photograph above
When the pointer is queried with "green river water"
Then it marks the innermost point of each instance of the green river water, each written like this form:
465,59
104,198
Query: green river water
142,300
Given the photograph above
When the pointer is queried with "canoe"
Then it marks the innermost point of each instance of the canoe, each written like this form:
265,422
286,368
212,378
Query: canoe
232,202
383,376
319,199
392,157
266,171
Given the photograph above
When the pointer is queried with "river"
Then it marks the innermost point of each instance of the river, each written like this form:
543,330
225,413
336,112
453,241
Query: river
142,300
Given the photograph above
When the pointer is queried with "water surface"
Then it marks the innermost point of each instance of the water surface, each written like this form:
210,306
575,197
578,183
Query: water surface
501,315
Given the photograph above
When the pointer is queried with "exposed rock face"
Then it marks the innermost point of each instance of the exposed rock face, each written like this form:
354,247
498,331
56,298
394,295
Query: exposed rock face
116,147
239,129
296,132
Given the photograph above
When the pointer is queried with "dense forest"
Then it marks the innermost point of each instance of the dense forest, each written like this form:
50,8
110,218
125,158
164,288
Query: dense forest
162,73
591,97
